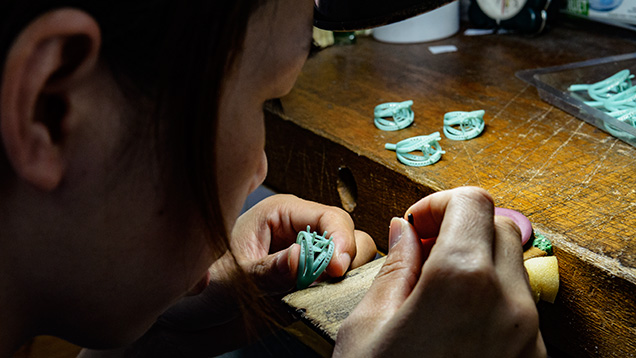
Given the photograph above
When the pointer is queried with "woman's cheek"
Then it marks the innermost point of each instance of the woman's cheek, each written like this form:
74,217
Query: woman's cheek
261,172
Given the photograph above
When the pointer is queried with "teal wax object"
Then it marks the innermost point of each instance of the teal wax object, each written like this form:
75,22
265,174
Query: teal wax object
427,144
315,254
401,113
460,125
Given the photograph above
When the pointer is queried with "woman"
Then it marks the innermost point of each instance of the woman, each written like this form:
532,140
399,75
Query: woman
132,132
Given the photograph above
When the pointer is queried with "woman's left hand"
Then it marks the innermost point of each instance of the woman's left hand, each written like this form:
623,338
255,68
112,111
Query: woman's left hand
263,240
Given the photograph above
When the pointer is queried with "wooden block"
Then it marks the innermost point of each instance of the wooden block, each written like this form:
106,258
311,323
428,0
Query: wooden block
325,305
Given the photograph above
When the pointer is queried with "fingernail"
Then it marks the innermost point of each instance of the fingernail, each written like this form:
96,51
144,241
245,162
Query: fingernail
396,231
345,260
282,261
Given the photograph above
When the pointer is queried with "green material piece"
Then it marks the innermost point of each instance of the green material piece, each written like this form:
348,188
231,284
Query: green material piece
541,242
616,96
578,7
344,38
401,113
608,89
460,125
315,254
427,144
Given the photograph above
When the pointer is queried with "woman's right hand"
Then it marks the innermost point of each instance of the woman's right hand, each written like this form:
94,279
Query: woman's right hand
468,297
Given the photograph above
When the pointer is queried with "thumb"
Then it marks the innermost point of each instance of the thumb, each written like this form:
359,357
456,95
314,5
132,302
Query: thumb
399,274
276,273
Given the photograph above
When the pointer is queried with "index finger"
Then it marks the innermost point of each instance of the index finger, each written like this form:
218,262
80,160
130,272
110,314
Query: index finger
295,214
462,220
428,213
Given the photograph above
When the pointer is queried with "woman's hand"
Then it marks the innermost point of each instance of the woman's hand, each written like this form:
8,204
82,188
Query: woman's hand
468,297
263,240
263,243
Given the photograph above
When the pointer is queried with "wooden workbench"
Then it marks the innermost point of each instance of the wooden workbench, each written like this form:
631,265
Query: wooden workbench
574,182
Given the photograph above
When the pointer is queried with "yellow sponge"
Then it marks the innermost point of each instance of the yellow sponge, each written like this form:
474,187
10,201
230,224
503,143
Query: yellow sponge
544,277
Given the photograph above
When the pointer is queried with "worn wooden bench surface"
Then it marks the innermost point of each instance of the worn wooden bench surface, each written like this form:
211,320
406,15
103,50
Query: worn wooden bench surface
574,182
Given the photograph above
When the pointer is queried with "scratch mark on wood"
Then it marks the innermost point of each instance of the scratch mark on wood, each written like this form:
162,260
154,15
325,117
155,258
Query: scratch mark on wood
518,143
509,103
532,122
472,163
592,174
548,161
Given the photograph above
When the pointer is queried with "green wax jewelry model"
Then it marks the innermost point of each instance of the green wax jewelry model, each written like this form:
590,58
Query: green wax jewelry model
460,125
400,112
616,96
315,254
427,144
541,242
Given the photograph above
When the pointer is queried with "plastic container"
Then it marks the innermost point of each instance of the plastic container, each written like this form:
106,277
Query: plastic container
552,84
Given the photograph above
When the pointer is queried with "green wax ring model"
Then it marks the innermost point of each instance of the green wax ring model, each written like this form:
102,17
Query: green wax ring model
427,144
401,113
315,254
469,124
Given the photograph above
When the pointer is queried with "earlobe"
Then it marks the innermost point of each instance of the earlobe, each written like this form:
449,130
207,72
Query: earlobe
45,64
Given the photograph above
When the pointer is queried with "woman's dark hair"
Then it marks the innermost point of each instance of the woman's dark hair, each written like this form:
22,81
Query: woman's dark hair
173,55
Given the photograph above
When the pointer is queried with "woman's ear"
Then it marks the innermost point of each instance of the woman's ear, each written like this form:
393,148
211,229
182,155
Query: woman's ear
48,60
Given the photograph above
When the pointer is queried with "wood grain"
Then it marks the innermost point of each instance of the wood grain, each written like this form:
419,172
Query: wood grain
575,182
325,305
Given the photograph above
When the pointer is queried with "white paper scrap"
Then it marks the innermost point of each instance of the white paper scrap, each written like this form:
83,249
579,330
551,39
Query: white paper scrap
435,50
478,32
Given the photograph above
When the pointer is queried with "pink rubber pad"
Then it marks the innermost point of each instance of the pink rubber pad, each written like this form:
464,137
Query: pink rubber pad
522,222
